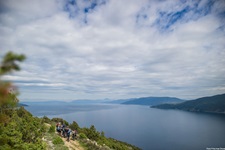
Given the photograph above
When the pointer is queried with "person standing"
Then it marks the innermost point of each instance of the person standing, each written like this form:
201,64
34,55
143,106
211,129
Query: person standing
74,134
68,135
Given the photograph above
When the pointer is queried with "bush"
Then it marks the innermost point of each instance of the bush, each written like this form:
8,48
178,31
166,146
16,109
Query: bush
22,132
51,129
46,119
56,120
74,126
83,136
91,133
57,140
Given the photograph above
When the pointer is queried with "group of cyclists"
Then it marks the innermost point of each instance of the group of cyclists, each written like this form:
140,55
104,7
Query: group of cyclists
65,131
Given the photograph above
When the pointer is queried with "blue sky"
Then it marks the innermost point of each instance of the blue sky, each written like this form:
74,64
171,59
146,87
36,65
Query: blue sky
96,49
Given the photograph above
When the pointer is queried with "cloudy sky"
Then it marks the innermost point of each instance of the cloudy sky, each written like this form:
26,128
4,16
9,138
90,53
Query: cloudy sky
96,49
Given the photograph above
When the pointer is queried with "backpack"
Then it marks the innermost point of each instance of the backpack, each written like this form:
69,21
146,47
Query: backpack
68,132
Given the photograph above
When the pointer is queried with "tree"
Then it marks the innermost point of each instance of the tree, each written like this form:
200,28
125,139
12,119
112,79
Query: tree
8,92
74,126
9,64
18,128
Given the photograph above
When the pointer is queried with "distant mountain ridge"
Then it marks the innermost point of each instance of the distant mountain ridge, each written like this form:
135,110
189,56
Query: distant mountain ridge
132,101
153,101
213,104
119,101
54,102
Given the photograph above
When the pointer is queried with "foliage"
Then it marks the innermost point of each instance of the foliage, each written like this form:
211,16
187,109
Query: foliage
57,140
8,92
8,99
100,138
56,120
74,126
91,133
49,138
22,132
46,119
83,136
9,64
115,144
51,129
90,146
93,139
18,128
61,147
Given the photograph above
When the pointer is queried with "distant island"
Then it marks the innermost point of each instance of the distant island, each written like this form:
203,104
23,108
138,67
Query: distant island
152,101
21,104
212,104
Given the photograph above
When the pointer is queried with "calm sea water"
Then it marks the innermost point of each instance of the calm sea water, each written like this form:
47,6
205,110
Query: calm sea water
145,127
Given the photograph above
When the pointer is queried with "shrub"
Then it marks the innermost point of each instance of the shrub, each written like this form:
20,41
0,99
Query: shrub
46,119
57,140
51,129
22,132
60,120
83,136
57,120
74,126
91,133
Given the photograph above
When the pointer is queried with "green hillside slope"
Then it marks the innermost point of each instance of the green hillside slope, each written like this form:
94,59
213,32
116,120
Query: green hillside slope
214,104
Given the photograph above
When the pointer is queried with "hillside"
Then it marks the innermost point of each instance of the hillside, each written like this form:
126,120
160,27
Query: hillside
214,104
24,131
152,101
87,138
20,130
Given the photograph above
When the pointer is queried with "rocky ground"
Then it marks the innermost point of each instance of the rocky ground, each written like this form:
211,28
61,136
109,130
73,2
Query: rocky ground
72,145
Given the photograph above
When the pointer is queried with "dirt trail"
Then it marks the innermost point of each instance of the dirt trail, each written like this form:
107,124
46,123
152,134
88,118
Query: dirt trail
72,145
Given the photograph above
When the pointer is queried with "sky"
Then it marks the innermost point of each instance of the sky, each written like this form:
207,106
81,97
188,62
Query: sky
97,49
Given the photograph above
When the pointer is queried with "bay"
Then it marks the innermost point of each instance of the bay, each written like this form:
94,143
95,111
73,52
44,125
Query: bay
142,126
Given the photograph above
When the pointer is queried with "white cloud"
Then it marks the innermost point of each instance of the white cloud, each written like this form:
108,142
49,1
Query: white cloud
16,12
113,55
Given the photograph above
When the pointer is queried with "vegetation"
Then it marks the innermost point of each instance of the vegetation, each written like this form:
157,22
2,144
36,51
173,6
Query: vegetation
22,131
213,104
92,139
52,139
8,92
51,129
58,140
60,120
18,128
83,136
100,139
46,120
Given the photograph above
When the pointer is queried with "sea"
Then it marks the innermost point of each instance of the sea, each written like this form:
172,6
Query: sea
142,126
